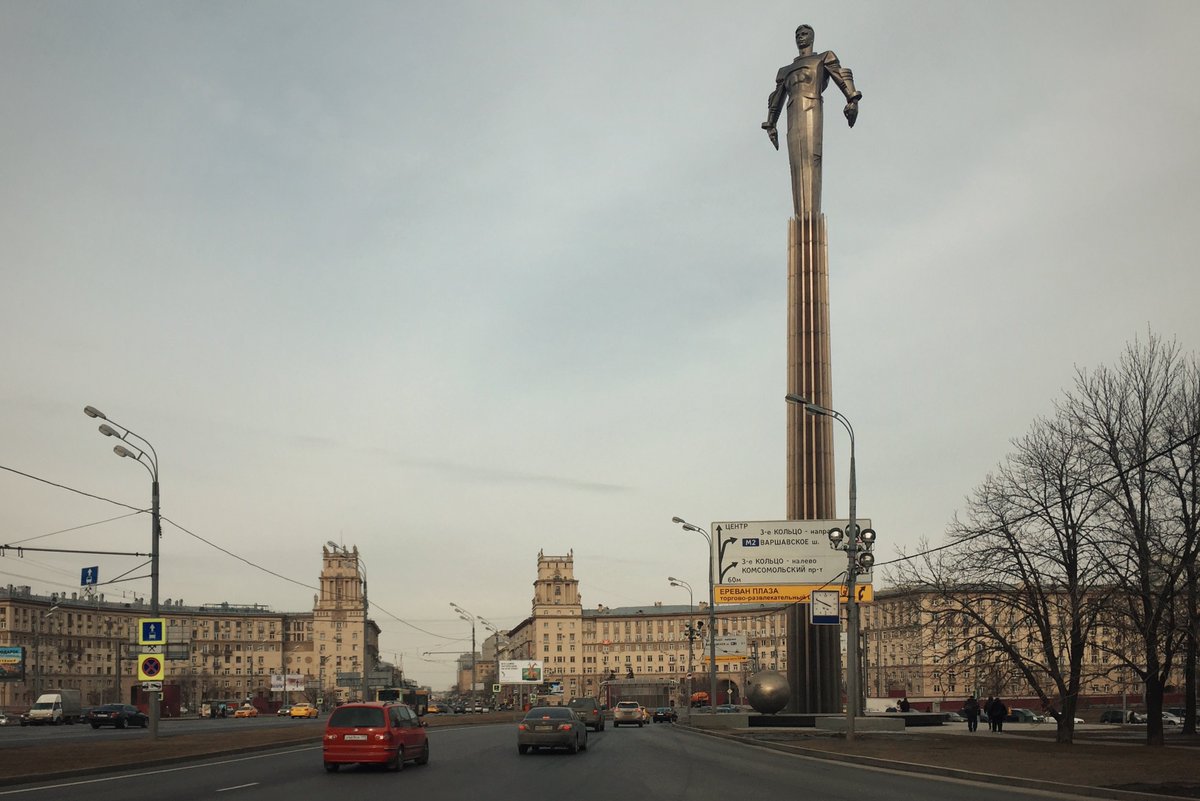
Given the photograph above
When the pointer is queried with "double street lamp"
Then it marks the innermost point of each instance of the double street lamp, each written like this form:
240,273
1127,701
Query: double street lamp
690,630
857,544
147,458
712,615
470,618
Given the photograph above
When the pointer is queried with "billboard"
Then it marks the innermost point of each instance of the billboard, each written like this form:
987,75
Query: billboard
12,663
291,682
520,672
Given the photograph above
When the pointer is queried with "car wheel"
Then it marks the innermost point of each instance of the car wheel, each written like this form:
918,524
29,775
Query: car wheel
583,746
145,722
522,749
423,759
95,725
120,724
331,767
639,724
573,748
397,762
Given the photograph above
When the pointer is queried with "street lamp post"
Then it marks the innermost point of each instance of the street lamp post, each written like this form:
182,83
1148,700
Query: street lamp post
498,634
148,458
470,618
691,633
37,651
857,544
712,614
365,686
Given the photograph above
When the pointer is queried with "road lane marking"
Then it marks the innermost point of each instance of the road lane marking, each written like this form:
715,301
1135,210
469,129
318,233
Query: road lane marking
237,787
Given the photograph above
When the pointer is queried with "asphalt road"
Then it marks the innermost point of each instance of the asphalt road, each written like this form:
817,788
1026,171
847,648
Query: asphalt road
481,762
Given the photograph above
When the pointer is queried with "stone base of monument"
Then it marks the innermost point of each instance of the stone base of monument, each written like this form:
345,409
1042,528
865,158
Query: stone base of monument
838,723
723,720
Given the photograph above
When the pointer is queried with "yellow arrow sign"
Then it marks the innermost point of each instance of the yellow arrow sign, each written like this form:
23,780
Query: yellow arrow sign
785,593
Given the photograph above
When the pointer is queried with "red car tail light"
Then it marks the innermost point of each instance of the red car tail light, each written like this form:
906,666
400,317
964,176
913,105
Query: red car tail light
521,727
564,727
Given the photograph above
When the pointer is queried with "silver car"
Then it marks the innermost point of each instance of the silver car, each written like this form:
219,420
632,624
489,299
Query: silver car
551,727
628,712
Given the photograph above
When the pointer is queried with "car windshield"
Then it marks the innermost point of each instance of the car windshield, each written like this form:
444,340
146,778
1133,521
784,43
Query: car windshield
108,708
552,712
352,716
628,705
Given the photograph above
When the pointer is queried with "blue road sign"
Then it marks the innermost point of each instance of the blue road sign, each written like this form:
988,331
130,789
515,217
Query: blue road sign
152,631
89,576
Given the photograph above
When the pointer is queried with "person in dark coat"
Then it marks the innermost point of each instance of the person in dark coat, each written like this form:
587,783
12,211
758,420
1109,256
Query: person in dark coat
905,706
997,711
971,713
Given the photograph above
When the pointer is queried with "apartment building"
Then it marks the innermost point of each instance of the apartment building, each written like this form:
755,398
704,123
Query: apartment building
218,650
581,648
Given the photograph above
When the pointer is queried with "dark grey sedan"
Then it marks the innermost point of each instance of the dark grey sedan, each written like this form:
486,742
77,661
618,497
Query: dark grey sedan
551,727
116,715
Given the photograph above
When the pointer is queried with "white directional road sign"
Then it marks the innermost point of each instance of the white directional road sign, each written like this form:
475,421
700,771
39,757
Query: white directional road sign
780,552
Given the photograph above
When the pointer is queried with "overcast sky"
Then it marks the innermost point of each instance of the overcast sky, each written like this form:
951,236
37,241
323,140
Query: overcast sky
458,282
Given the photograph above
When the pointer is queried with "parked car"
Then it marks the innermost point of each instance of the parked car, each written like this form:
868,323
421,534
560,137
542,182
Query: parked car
117,715
726,708
8,719
304,711
664,714
627,712
954,717
374,733
246,711
1017,714
552,727
589,712
284,711
1170,719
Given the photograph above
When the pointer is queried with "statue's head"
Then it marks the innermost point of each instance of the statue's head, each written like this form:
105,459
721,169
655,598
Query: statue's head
804,36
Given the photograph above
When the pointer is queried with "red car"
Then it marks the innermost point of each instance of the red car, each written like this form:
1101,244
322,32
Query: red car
374,733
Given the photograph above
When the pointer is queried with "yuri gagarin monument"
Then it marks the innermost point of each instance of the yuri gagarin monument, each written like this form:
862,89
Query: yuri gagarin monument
814,652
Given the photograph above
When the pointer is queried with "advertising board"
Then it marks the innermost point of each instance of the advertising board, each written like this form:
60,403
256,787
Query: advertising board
12,663
290,682
516,671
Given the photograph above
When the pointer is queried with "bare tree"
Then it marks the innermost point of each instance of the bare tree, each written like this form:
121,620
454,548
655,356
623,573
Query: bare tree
1017,590
1180,470
1124,416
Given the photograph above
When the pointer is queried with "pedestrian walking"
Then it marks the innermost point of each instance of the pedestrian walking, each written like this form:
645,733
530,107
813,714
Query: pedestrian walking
971,712
905,706
985,711
997,711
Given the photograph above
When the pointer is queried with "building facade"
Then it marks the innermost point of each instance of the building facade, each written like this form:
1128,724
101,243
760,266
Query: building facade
582,648
222,651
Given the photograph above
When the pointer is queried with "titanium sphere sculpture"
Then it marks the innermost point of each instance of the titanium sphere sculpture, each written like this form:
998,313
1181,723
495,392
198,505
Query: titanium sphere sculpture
768,691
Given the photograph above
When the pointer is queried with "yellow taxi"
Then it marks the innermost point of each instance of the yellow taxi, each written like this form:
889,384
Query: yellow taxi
303,711
246,711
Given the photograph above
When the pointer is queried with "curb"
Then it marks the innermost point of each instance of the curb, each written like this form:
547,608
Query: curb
936,770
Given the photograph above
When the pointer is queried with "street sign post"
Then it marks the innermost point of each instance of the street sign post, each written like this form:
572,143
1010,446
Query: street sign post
779,561
89,576
150,667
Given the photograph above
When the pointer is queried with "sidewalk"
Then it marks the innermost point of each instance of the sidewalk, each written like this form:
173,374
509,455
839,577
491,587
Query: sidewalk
1104,761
